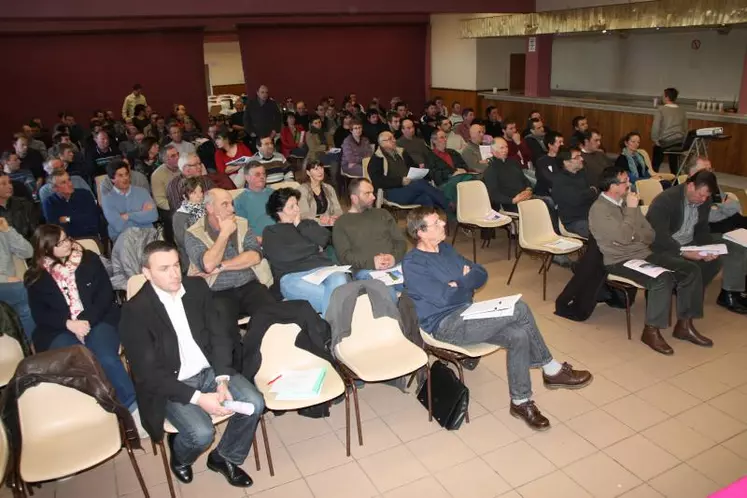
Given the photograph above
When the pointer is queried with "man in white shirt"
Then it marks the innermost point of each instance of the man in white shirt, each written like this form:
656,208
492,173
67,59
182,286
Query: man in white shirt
453,140
184,147
181,363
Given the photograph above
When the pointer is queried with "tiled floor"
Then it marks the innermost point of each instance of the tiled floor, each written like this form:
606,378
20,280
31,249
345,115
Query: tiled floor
649,426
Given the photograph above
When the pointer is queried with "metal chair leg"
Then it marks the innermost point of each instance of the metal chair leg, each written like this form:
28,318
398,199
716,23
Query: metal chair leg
544,276
456,231
166,468
511,275
135,466
357,413
256,452
429,391
267,445
347,421
474,246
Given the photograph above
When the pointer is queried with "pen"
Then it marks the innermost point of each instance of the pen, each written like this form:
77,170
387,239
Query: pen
273,380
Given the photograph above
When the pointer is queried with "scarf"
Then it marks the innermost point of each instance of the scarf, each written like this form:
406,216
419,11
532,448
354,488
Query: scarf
64,276
194,211
318,131
636,165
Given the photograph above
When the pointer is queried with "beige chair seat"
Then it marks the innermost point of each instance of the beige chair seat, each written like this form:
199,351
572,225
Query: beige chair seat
565,233
170,429
284,184
236,192
473,350
4,452
483,223
510,214
280,354
11,354
539,245
623,280
385,202
64,432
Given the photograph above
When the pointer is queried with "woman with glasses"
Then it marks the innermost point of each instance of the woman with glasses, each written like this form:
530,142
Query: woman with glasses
318,199
72,302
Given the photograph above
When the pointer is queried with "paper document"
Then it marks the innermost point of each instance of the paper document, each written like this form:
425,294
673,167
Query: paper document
738,236
239,161
502,306
298,384
642,266
485,152
334,150
392,276
417,173
322,273
716,249
564,244
494,215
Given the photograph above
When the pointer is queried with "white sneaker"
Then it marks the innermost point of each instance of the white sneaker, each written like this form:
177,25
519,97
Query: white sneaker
141,432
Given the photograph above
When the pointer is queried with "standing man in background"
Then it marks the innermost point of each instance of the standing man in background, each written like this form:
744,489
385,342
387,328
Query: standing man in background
132,100
262,117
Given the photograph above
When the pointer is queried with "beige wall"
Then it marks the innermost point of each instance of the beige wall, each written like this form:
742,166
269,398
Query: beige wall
224,61
453,59
493,56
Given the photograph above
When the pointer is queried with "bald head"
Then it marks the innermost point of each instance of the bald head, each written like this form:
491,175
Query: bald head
219,206
499,147
476,133
386,141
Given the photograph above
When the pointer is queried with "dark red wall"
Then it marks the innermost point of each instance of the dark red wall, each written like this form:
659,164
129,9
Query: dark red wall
310,62
79,73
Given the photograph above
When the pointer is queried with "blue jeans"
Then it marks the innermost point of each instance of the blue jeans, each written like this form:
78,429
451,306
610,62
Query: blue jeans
293,286
417,192
196,430
14,293
103,341
393,289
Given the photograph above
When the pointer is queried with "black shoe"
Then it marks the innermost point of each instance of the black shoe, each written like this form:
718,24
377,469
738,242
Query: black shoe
234,474
470,363
181,471
732,301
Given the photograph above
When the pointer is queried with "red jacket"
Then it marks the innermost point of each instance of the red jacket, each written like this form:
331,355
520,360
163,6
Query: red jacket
221,158
522,153
288,142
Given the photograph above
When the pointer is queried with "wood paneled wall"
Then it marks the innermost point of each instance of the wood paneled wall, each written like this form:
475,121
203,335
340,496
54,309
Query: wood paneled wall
727,156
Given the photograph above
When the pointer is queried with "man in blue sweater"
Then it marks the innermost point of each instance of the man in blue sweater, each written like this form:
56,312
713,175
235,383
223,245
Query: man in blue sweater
251,204
442,284
74,209
126,205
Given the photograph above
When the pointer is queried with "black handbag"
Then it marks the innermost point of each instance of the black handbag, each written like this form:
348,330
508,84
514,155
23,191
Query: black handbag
449,395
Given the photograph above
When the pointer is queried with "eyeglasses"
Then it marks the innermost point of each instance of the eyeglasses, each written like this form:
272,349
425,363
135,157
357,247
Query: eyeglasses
440,222
62,242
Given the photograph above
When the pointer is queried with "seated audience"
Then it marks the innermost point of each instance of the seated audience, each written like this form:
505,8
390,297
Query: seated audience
442,283
373,125
276,166
316,140
54,164
572,193
535,139
252,203
429,121
517,148
471,152
534,114
455,116
184,371
157,128
159,182
623,234
191,209
355,148
128,148
73,159
447,168
126,205
31,159
725,214
98,155
148,158
679,216
368,238
33,142
140,120
454,141
72,302
413,144
318,199
636,161
12,290
137,179
580,125
190,133
493,124
343,131
292,246
394,123
17,211
506,183
546,166
292,137
74,209
595,160
388,170
12,167
190,167
468,118
227,149
178,142
669,128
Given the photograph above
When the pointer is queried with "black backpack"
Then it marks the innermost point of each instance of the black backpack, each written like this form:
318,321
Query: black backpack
449,395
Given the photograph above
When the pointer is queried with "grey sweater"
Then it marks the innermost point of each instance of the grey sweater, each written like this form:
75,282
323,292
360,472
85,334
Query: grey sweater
622,233
12,244
670,125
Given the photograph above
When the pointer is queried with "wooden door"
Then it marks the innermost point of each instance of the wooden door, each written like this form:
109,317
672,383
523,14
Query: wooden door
517,67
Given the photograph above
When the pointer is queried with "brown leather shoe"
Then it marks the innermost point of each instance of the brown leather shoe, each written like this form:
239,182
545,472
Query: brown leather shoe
686,331
652,338
567,378
529,413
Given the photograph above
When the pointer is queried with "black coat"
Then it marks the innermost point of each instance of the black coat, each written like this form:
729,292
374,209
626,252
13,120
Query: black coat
545,174
51,312
152,348
441,172
666,214
573,195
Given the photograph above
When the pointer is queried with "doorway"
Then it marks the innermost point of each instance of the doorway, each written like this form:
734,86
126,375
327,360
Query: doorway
517,67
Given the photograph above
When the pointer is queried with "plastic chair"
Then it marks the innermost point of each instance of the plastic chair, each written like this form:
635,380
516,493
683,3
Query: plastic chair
536,234
99,180
90,244
11,354
453,354
280,354
4,453
380,200
279,185
565,233
20,266
63,432
648,189
473,205
375,351
236,192
625,285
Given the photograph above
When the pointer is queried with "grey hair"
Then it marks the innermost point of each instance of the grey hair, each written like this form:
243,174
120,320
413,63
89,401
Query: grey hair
209,198
416,220
165,151
494,145
184,158
378,139
693,163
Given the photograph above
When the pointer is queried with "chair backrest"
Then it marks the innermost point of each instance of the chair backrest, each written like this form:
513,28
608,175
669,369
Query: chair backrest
134,284
20,266
648,189
366,160
11,354
279,352
90,244
99,180
367,331
472,200
4,452
279,185
236,192
64,431
535,225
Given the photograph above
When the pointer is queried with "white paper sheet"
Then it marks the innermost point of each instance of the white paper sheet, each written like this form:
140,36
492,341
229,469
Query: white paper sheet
642,266
240,161
392,276
322,273
299,384
485,152
499,307
417,173
494,215
334,150
738,236
717,249
563,245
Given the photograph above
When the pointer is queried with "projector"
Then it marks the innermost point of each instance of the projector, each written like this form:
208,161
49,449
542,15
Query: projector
710,132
